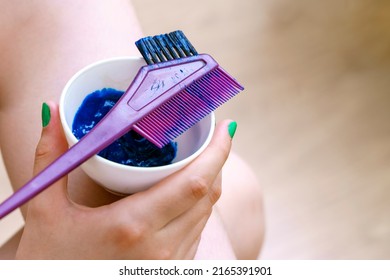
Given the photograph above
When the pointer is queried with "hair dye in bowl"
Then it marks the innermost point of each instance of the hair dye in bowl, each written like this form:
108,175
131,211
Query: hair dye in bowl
130,149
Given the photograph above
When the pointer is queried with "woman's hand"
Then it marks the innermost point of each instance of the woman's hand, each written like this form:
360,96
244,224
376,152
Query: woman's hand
163,222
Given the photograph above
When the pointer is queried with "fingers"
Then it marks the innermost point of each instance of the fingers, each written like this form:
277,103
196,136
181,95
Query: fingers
52,142
188,226
50,146
197,179
182,190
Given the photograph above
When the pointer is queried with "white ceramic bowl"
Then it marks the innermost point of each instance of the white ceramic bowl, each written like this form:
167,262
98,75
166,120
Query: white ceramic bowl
118,73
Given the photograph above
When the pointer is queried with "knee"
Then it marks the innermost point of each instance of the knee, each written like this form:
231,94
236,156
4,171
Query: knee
241,206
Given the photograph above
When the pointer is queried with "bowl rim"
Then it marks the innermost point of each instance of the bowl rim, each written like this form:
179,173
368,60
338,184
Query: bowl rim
71,138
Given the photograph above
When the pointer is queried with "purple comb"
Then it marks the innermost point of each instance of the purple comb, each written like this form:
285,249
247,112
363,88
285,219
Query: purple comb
209,89
164,100
192,104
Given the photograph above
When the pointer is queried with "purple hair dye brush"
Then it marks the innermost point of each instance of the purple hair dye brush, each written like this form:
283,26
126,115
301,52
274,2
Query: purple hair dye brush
176,90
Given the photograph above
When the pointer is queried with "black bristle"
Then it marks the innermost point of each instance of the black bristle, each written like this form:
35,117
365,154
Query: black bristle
144,50
188,43
157,50
165,47
176,44
151,50
160,40
185,45
171,46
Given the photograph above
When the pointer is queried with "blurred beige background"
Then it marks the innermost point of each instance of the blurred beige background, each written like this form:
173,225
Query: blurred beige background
314,120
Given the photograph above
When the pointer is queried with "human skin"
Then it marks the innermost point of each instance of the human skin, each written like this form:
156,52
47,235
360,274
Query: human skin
42,45
169,227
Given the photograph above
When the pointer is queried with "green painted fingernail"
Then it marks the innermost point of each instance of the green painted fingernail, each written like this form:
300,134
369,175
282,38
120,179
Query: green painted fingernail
232,129
45,114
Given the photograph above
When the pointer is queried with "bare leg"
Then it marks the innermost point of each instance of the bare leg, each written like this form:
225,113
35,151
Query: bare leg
42,45
241,208
215,243
236,227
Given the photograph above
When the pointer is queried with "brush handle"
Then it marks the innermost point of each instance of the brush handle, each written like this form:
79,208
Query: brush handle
102,135
153,86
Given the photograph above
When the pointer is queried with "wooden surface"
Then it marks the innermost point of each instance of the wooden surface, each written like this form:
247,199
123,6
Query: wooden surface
314,120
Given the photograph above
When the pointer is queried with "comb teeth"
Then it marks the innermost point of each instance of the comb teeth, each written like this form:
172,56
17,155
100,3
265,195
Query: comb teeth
165,47
188,107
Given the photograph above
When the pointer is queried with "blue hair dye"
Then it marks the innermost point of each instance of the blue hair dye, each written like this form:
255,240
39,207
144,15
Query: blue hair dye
130,149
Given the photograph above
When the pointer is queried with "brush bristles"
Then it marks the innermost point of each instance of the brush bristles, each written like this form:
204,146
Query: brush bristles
188,107
165,47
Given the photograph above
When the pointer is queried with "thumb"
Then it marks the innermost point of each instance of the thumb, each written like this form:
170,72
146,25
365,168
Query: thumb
50,146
